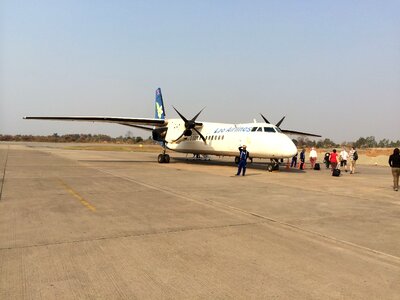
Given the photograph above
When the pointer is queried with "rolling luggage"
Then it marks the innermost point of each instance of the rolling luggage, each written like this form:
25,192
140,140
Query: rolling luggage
317,166
336,172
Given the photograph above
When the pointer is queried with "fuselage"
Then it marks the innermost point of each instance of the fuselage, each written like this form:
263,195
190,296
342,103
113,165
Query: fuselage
262,140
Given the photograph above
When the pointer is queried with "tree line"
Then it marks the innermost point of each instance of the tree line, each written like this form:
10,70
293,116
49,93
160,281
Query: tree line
75,138
362,142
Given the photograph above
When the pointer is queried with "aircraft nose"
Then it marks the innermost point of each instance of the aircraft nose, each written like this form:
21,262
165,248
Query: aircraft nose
290,148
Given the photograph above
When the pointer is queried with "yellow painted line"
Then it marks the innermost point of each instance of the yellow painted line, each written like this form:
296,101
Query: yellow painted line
77,196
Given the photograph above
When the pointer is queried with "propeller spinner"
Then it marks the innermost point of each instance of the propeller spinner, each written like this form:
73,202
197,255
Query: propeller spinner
190,125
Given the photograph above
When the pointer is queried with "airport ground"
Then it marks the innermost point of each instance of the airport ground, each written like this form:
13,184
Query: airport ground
84,224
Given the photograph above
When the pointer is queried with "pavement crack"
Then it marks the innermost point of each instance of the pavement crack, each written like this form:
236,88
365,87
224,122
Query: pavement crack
129,235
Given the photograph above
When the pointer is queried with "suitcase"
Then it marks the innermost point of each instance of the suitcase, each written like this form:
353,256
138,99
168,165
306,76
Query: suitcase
317,166
336,172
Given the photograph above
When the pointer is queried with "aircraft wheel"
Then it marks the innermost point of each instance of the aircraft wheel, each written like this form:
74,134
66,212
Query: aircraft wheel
161,158
166,158
270,168
237,159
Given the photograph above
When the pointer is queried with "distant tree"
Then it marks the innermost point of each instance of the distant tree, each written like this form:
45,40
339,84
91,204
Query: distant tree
138,139
368,142
384,143
326,143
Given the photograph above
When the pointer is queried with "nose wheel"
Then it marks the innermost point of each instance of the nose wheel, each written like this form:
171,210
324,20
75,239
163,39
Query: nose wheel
273,166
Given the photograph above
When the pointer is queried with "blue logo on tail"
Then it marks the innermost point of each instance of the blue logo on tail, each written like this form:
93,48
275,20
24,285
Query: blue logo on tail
160,111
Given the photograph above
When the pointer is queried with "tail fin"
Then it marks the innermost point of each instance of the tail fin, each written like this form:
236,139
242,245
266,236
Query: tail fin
160,111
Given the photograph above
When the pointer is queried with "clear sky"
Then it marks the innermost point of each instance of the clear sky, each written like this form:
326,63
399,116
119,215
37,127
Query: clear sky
332,67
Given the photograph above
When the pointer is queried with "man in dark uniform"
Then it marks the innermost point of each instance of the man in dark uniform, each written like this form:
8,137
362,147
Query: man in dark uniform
302,158
243,156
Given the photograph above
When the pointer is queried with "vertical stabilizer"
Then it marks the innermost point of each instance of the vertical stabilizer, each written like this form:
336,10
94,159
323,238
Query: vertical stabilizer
160,111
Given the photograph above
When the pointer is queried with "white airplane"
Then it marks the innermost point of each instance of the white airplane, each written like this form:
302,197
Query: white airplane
263,140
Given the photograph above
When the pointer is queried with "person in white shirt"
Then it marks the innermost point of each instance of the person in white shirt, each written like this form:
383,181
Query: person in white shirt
353,157
343,159
313,157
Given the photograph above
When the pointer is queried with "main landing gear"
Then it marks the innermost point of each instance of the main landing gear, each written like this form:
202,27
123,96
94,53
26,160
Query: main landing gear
163,158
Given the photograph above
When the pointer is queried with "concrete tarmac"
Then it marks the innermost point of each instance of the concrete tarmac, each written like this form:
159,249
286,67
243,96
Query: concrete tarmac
118,225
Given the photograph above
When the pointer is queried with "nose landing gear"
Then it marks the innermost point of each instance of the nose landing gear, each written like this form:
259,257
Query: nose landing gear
273,166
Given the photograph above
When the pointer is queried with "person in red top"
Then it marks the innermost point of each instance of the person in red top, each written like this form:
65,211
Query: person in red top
333,159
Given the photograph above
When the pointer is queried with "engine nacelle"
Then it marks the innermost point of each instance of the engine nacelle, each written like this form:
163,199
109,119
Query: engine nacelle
159,134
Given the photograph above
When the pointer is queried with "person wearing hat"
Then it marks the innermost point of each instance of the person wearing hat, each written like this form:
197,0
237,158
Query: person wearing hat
243,155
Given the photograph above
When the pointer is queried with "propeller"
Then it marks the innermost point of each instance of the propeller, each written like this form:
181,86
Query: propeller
190,125
277,124
289,131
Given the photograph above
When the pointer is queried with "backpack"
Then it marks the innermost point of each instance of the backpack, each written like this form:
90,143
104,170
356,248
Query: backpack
355,155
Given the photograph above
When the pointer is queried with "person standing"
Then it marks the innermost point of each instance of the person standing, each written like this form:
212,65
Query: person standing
326,159
313,157
294,161
344,155
333,159
353,156
243,156
302,158
394,163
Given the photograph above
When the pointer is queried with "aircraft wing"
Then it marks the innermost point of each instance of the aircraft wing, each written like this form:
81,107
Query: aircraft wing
299,133
133,122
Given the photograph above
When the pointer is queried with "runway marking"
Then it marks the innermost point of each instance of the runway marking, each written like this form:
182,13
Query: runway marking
4,173
77,196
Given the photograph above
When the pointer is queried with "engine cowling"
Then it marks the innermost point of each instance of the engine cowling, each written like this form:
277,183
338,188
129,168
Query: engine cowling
159,134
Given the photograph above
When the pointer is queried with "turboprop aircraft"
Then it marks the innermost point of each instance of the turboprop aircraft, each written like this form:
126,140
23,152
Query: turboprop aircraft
263,140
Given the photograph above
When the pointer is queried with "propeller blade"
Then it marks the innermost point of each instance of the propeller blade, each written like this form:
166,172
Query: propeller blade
265,119
195,117
178,138
202,137
183,118
280,122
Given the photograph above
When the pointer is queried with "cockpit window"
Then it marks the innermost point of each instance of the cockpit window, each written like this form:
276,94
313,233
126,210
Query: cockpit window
278,129
254,129
269,129
259,129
